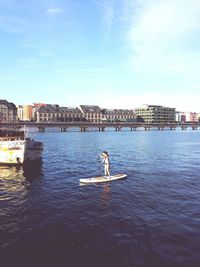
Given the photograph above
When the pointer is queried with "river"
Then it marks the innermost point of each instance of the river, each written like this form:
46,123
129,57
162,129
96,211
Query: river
152,218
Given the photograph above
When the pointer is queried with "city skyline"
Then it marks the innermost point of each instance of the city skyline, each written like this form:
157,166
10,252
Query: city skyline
43,103
117,54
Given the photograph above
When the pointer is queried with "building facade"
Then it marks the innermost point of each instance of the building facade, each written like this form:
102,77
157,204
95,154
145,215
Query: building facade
8,111
118,115
20,112
156,114
97,114
28,113
189,117
36,107
55,113
91,113
25,112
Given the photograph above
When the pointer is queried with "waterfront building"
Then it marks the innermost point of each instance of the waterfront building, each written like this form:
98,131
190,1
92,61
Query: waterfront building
198,117
189,117
156,114
55,113
28,112
118,115
36,107
96,114
8,111
20,112
91,113
193,117
25,112
178,116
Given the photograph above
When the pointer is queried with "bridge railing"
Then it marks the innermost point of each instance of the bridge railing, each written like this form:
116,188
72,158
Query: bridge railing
21,124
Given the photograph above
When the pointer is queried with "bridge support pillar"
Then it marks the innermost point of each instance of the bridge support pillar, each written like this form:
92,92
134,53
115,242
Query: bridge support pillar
101,129
63,129
118,128
41,129
133,128
83,129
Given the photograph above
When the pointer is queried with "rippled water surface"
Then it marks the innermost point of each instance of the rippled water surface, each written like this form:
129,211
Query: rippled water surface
152,218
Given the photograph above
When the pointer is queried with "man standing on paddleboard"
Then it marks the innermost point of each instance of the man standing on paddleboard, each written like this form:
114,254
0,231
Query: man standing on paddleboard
105,156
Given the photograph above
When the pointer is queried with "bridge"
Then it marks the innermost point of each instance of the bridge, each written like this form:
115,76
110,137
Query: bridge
100,126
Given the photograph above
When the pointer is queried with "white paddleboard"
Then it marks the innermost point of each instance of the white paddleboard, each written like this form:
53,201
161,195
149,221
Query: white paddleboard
102,179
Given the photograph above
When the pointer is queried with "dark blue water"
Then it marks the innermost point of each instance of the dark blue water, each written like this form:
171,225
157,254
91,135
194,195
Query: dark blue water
152,218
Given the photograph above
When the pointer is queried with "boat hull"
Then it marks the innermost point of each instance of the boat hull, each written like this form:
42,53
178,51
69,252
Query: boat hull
20,151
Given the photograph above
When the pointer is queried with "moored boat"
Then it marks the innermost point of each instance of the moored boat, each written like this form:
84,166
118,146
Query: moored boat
16,148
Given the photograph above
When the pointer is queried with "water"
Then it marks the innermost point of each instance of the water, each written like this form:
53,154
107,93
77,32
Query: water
152,218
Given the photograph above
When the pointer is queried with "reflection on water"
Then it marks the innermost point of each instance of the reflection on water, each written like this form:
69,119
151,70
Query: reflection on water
106,192
33,170
16,179
16,190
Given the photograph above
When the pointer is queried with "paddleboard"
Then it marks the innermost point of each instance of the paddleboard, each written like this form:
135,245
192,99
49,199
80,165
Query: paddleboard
102,179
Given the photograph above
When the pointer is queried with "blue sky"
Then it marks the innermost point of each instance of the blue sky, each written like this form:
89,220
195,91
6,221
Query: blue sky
112,53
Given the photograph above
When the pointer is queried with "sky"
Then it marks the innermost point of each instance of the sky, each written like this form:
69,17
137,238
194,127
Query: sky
111,53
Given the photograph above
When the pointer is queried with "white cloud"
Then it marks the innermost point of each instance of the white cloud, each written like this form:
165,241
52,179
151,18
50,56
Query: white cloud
185,102
163,35
54,10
